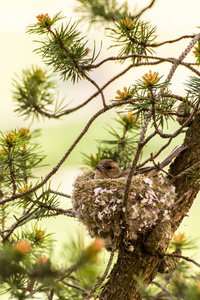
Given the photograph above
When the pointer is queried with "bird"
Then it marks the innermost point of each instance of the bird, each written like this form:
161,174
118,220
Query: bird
107,168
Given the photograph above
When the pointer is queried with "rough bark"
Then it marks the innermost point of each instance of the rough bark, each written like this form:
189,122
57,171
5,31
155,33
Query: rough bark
143,264
187,186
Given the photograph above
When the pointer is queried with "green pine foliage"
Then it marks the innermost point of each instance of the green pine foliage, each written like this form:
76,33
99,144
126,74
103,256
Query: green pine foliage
121,145
27,267
33,92
133,36
99,10
19,156
63,48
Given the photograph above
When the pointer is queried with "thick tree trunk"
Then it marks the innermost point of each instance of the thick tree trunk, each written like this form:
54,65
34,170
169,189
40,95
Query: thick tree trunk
187,186
123,282
140,263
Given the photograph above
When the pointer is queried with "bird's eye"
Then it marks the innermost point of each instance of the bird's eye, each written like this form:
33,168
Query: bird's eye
109,167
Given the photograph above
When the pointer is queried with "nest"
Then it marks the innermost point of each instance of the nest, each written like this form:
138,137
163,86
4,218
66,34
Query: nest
99,205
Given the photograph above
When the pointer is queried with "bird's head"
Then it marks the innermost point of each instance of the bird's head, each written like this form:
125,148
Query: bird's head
107,168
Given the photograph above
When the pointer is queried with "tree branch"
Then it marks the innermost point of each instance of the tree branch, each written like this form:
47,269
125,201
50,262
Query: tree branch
183,257
163,288
56,168
74,286
60,194
102,278
144,9
78,66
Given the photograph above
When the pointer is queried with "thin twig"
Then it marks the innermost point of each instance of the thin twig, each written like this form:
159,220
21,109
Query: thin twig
187,170
25,217
147,120
12,174
180,98
67,212
179,130
159,167
102,278
50,294
160,60
153,100
74,286
21,221
135,160
144,9
191,36
179,60
67,273
78,66
187,65
68,111
124,57
157,153
63,159
162,287
60,194
183,257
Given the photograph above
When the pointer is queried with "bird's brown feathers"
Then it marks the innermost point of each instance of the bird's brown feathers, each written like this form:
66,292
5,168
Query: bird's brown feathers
107,168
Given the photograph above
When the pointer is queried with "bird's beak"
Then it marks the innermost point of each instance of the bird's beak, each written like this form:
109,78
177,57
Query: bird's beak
100,168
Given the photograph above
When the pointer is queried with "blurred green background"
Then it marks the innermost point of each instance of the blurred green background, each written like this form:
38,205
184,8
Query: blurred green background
173,19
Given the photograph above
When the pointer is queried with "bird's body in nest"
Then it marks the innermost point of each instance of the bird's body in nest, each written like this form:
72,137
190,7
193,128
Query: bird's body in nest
107,168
